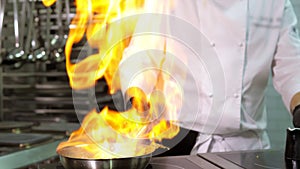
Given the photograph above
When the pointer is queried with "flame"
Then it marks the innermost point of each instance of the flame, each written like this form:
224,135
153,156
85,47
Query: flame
90,19
98,137
111,134
48,2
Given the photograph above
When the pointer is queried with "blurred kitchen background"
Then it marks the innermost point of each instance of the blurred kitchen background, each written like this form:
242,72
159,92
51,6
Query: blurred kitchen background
33,81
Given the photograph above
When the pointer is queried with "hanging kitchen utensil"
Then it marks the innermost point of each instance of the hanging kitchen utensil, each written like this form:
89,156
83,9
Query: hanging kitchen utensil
38,51
27,9
59,40
18,52
29,29
67,6
16,23
2,11
47,39
22,24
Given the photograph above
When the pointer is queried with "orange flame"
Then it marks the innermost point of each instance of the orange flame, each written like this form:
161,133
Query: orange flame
102,135
89,19
48,2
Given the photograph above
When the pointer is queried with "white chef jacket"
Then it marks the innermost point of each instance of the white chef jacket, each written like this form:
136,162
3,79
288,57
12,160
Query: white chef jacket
223,101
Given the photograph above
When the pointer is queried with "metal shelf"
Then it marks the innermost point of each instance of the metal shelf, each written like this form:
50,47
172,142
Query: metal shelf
26,74
29,156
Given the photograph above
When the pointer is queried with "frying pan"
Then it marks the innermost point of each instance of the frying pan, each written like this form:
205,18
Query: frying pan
71,161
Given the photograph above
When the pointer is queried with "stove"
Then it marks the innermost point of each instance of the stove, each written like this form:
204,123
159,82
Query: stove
271,159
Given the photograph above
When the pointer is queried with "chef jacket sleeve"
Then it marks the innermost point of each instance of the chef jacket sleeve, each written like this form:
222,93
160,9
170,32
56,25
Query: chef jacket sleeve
286,63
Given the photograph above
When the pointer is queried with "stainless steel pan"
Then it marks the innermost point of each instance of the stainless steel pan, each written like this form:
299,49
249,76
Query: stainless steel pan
71,161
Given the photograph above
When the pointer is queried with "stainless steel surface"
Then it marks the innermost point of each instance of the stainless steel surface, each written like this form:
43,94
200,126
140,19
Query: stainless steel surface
24,157
18,52
56,128
37,144
2,12
13,126
258,159
172,162
219,161
254,159
34,23
16,23
22,24
181,162
23,139
263,159
118,163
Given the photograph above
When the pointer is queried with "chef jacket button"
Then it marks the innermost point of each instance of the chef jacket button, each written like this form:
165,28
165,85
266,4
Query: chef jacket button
241,44
210,95
236,95
212,44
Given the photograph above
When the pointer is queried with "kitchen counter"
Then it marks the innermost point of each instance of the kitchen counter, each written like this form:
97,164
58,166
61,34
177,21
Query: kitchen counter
249,159
27,156
232,160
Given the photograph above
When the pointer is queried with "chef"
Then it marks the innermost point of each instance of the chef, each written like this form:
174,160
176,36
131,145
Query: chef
219,54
